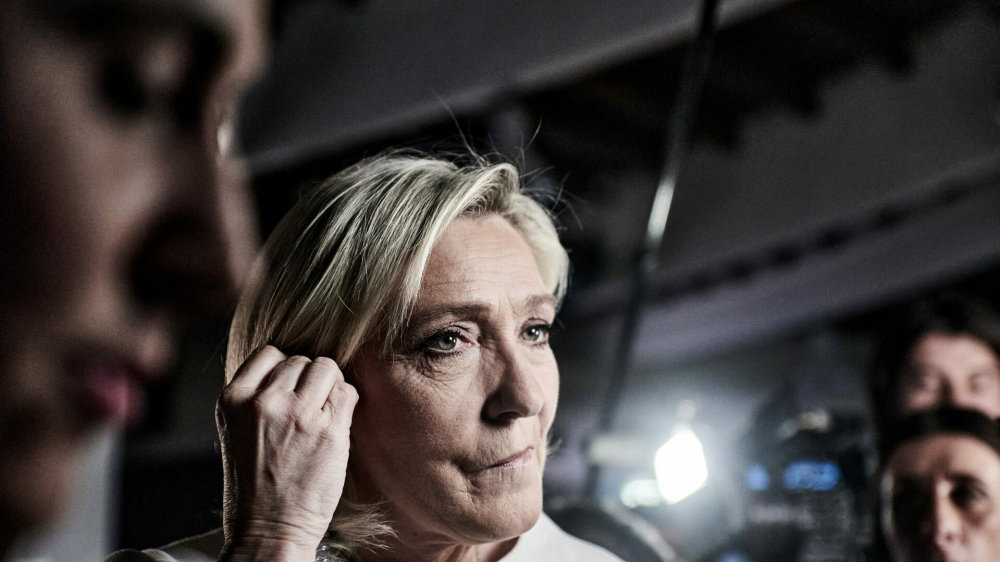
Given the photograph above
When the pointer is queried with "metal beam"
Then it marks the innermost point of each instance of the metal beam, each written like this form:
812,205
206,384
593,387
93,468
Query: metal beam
941,243
343,76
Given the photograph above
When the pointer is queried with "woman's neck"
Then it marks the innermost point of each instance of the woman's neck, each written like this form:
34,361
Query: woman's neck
415,550
415,539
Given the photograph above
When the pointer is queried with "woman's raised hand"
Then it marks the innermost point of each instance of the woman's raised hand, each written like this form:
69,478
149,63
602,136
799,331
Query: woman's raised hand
284,424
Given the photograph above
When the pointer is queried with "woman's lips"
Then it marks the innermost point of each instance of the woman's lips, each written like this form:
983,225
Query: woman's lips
516,460
114,391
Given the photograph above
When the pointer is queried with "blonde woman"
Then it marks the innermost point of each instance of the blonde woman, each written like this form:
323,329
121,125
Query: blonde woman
432,288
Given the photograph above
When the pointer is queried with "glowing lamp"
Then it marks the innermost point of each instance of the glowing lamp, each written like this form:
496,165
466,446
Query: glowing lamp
680,466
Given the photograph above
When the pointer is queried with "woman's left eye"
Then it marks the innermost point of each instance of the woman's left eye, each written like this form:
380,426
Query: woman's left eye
539,333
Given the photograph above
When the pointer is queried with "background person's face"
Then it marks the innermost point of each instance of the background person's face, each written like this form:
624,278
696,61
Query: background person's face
452,428
941,498
957,370
118,211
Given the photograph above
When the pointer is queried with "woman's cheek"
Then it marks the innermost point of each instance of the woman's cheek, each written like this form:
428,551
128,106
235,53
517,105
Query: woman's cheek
429,398
445,370
550,384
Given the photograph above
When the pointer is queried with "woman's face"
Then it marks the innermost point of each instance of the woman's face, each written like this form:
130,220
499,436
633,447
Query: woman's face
451,427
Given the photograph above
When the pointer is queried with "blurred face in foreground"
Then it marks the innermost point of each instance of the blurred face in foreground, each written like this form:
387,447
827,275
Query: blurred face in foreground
451,427
957,370
941,498
118,213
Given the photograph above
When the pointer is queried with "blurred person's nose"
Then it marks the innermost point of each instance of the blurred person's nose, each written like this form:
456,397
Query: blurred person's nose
518,392
945,523
201,248
948,395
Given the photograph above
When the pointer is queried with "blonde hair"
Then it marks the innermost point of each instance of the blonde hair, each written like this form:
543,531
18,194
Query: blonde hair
347,261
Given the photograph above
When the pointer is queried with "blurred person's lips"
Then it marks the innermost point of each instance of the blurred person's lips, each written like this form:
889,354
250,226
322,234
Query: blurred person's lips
516,460
112,388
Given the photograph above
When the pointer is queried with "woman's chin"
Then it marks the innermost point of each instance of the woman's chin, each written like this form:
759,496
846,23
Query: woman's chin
500,518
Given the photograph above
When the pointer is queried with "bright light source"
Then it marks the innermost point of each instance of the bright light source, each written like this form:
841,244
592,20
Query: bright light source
641,493
680,466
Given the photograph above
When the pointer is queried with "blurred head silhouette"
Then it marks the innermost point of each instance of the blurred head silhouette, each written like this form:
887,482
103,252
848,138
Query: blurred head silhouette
121,210
941,488
939,351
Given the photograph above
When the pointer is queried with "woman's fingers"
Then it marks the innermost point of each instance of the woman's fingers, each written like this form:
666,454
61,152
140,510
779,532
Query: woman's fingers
271,371
285,375
340,402
254,372
317,380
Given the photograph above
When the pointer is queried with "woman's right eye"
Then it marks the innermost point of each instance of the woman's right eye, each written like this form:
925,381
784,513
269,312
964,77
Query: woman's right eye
447,343
443,342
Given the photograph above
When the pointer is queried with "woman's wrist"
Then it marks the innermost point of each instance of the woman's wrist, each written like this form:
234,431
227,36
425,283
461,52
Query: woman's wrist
267,551
279,543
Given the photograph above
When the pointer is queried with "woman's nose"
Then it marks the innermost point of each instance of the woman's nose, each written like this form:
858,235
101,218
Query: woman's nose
517,393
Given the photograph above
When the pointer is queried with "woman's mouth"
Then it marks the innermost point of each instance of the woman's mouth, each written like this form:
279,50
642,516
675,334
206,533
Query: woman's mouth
516,460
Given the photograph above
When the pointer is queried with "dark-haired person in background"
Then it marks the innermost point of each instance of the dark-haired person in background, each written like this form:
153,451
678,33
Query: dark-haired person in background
121,210
940,351
940,490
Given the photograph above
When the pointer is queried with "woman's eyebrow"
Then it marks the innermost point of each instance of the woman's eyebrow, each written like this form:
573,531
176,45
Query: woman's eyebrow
474,309
431,313
535,302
